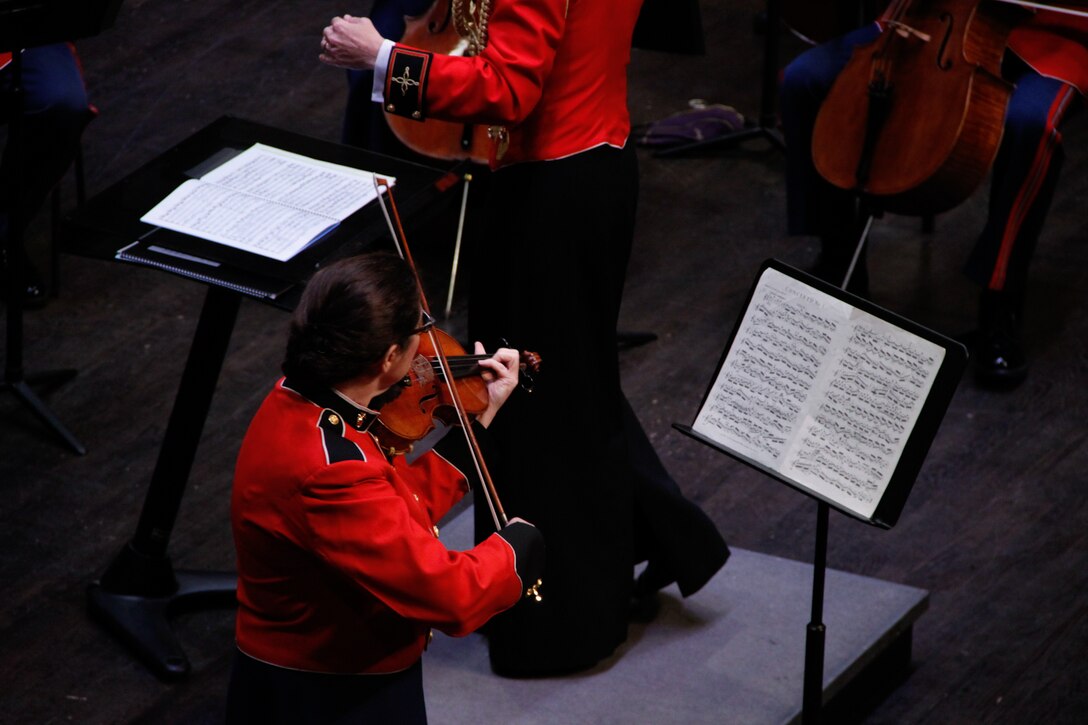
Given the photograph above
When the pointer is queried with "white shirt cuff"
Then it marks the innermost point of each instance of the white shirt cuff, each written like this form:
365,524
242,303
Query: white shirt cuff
381,66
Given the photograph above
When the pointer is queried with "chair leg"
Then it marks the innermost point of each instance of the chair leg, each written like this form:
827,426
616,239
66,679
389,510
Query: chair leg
81,186
81,197
54,246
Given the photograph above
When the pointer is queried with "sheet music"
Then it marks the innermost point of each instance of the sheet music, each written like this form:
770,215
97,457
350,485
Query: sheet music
820,391
266,201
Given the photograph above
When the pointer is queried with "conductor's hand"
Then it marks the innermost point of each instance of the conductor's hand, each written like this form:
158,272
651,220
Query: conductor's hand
350,42
501,375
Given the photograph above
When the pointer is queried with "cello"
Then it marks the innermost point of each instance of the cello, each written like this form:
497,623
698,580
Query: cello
914,120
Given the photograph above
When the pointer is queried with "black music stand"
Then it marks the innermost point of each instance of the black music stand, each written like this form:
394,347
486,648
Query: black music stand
140,588
27,24
848,14
767,125
835,397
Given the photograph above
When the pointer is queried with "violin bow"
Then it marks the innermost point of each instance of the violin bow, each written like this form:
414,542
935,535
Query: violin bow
491,495
1079,11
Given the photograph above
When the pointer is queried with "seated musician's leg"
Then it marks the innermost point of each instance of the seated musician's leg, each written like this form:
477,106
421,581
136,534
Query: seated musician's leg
1025,175
54,114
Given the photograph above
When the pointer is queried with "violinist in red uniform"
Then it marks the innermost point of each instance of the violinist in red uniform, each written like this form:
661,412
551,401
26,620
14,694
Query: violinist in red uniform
1047,60
341,573
551,82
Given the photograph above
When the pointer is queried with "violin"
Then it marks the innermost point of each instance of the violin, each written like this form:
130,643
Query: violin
396,229
424,396
437,31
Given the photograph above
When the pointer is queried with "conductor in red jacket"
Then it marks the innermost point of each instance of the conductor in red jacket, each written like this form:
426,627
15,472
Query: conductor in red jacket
341,572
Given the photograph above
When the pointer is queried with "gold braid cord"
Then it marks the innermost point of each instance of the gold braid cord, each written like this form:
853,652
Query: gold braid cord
470,19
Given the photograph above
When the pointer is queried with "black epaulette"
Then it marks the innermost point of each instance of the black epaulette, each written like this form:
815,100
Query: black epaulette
337,447
406,82
337,414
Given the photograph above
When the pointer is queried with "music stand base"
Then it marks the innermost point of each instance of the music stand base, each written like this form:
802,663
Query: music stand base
633,338
143,622
53,378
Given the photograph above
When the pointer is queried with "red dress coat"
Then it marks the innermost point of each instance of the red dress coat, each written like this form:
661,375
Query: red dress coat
340,569
553,74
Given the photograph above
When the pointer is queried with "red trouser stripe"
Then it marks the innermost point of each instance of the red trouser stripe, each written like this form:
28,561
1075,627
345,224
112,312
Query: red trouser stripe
1030,189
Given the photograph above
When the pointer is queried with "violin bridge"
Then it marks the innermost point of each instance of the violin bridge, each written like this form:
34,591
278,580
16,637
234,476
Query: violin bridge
905,30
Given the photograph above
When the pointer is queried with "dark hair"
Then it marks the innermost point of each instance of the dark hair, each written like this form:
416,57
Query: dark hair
349,315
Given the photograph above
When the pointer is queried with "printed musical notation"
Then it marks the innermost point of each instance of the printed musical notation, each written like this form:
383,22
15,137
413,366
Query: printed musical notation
266,201
819,391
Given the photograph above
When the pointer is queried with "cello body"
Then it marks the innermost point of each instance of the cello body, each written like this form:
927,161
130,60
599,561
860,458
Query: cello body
915,119
435,31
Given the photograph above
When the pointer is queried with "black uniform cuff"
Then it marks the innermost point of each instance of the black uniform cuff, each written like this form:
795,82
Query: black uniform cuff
528,545
406,82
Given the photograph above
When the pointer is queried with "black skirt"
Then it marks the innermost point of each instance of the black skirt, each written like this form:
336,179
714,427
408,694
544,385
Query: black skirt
264,694
548,276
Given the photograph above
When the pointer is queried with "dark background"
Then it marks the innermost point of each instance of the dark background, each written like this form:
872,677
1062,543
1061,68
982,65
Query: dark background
995,527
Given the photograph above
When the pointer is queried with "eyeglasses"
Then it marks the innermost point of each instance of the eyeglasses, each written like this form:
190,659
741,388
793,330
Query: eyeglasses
428,323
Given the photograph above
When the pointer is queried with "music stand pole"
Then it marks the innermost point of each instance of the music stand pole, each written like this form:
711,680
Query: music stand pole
815,634
140,589
768,117
14,378
812,702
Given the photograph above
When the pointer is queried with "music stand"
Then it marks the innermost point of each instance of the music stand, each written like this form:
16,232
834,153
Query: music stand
27,24
140,589
835,397
847,14
767,126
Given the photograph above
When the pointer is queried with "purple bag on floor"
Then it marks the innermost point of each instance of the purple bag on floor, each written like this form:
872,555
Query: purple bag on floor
698,124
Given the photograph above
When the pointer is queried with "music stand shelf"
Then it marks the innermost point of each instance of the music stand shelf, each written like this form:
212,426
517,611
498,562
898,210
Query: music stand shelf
140,588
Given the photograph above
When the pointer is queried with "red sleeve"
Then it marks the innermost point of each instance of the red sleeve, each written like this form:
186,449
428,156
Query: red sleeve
365,530
1055,45
503,83
438,482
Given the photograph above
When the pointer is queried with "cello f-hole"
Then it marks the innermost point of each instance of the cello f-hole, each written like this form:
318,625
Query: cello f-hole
943,61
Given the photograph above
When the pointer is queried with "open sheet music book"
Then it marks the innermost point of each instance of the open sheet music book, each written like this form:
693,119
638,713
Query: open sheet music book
266,201
839,401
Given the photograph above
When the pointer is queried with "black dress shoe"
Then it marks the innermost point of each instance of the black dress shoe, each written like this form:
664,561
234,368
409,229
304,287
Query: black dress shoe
644,607
34,295
645,602
999,359
1000,362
